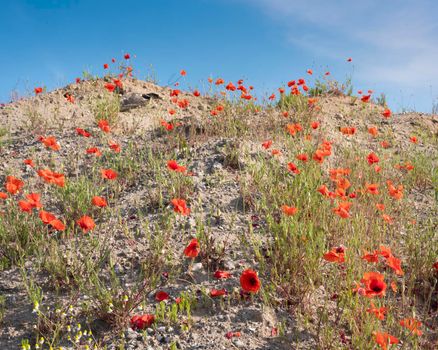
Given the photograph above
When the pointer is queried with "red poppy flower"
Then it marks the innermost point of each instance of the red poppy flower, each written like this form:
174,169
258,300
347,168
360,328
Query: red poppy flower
86,223
104,125
372,158
50,142
29,162
94,150
343,210
379,312
108,174
372,188
3,195
105,66
387,113
365,98
412,324
57,225
303,157
173,165
99,202
38,90
13,185
25,206
266,144
127,56
167,126
180,206
193,248
46,217
289,211
372,131
114,146
219,274
214,293
336,254
34,200
161,295
249,281
142,322
293,168
110,87
196,93
395,264
383,339
314,125
349,59
309,71
374,284
183,72
82,132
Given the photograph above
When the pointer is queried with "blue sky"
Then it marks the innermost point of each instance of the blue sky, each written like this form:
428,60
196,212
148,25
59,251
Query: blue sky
393,43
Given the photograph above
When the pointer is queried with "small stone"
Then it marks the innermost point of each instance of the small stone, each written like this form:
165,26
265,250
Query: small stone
197,267
238,343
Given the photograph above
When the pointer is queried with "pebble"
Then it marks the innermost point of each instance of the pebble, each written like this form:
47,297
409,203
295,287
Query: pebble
238,343
197,267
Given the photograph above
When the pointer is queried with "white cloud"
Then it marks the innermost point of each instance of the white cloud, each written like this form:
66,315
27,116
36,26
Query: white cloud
393,42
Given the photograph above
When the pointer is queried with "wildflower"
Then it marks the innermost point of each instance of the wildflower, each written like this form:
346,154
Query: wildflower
374,284
180,206
86,223
387,113
309,71
142,322
167,126
173,165
94,150
104,126
219,274
289,211
13,185
336,254
161,295
110,87
365,98
412,324
413,139
373,131
384,339
114,146
29,162
108,174
370,257
343,210
38,90
127,56
314,125
192,250
50,142
249,281
387,218
379,312
183,72
395,264
217,292
25,206
293,168
3,195
372,188
372,158
99,202
303,157
82,132
266,144
196,93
